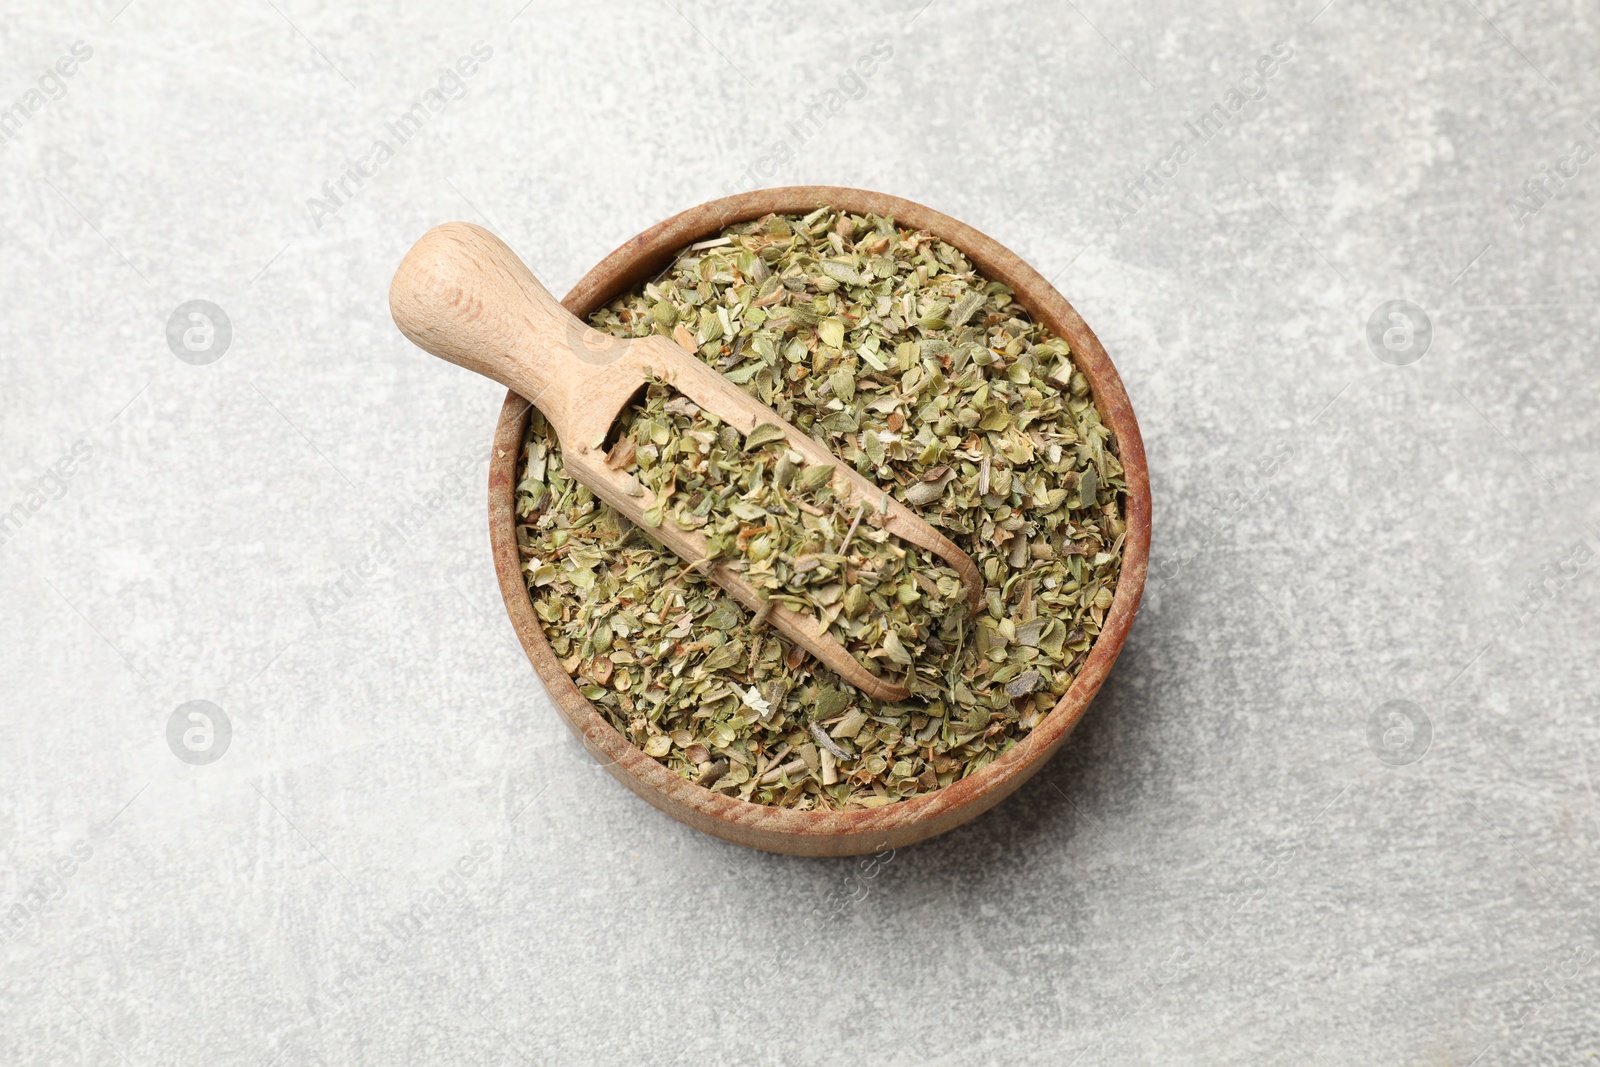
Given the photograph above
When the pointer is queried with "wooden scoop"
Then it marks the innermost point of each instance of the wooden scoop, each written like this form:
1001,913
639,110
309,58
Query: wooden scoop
462,295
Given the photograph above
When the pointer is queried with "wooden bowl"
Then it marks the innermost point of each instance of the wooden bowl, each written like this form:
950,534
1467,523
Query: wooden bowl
828,833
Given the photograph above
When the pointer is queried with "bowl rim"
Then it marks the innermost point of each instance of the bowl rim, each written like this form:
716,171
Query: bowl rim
902,822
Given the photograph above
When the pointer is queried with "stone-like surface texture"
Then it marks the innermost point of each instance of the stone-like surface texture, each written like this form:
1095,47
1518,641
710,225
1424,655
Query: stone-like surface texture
1249,853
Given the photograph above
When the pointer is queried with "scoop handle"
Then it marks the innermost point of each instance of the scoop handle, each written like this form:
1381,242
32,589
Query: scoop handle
464,296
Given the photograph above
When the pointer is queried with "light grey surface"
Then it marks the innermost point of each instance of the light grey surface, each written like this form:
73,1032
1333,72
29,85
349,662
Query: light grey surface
1222,867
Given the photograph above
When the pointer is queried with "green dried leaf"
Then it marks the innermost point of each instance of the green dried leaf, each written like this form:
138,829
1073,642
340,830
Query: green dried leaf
764,434
831,332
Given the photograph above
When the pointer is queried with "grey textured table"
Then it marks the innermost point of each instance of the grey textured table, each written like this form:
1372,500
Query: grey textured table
1336,804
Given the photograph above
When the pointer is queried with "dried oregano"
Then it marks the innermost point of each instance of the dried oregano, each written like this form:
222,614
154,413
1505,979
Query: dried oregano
886,345
776,521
